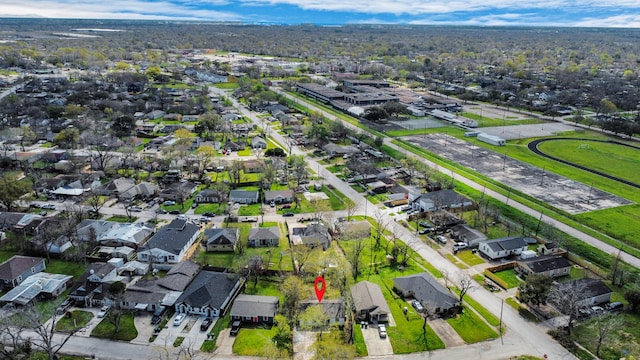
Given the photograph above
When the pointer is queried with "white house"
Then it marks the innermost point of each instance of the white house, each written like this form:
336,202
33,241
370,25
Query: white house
438,200
169,245
503,247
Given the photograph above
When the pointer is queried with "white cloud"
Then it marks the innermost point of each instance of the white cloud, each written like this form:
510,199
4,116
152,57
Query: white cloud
114,9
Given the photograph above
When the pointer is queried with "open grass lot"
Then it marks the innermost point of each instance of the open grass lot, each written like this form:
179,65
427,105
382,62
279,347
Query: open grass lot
250,210
214,208
484,121
215,259
59,266
471,328
266,286
509,277
122,218
623,341
608,158
251,342
469,258
77,319
358,342
127,331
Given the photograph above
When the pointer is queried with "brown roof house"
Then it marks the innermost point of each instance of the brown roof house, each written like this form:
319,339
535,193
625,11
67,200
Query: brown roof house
369,302
15,270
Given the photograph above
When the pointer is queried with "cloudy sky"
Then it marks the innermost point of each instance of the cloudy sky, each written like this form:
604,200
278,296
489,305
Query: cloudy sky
588,13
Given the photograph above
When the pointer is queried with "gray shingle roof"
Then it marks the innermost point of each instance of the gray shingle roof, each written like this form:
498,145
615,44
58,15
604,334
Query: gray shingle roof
427,290
254,305
17,265
208,288
264,233
509,243
543,264
173,237
225,236
368,296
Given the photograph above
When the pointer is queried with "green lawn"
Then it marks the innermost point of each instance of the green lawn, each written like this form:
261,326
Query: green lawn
122,218
510,277
215,259
59,266
358,342
469,258
214,208
77,320
250,342
608,158
471,328
127,331
250,210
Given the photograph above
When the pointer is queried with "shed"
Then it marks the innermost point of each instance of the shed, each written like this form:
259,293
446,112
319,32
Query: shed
491,139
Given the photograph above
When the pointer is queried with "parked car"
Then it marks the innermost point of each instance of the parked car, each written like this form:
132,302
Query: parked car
425,224
64,306
135,208
382,331
423,231
161,211
182,217
597,310
194,205
441,239
179,319
417,305
405,208
460,246
615,306
205,324
103,311
235,327
150,204
48,206
209,214
288,214
169,203
174,212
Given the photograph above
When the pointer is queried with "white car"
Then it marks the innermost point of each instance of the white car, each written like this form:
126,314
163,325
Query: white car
441,239
103,311
178,319
382,331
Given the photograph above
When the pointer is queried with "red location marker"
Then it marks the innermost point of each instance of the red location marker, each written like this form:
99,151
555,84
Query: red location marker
319,289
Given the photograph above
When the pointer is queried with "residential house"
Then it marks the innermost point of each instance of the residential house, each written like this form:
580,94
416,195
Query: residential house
503,247
210,294
170,244
117,186
334,150
93,285
279,196
262,236
551,266
155,114
179,191
252,166
18,268
594,291
243,196
438,200
25,222
258,143
224,239
37,286
143,190
153,294
233,146
467,234
429,292
208,196
313,235
369,302
334,310
550,248
112,233
255,309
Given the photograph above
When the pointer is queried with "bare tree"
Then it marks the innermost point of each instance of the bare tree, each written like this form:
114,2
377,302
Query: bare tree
569,298
605,323
358,248
351,208
95,201
14,345
116,295
466,284
380,227
45,331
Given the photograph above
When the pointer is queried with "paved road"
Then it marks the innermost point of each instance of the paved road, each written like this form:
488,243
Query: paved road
523,337
630,259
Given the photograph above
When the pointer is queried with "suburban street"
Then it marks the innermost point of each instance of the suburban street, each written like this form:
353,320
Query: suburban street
630,259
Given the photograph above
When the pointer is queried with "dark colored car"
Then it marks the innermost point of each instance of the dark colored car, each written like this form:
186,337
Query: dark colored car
205,324
155,319
288,214
209,214
174,212
235,327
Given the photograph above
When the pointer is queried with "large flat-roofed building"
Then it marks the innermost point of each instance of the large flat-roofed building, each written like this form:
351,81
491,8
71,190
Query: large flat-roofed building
350,83
319,92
